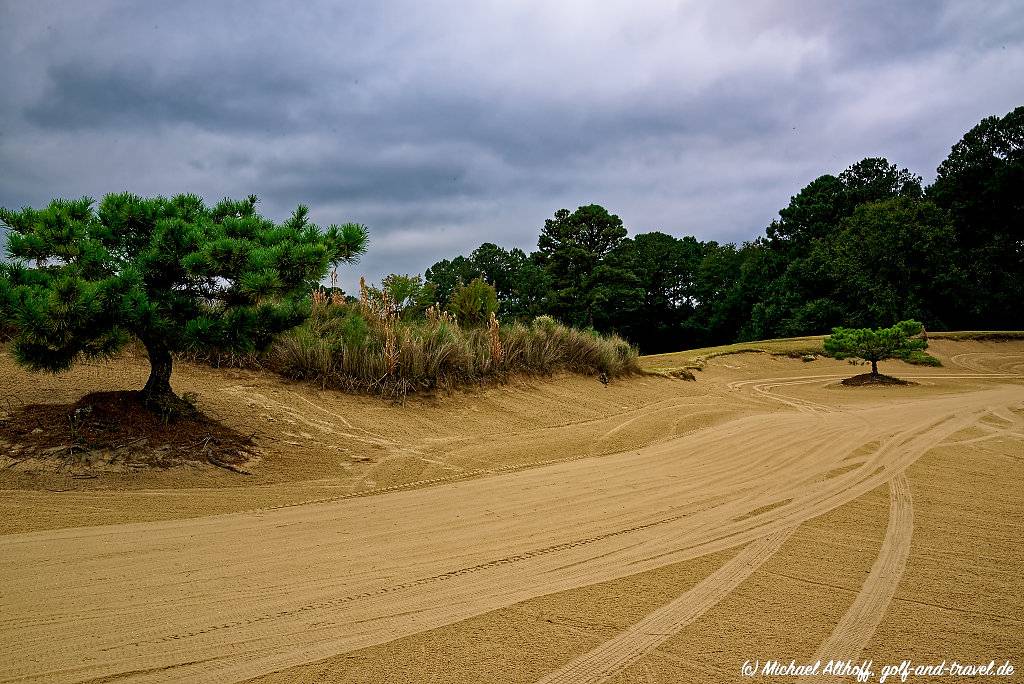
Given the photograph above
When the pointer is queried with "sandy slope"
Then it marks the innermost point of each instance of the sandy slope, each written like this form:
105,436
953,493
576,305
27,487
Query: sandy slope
674,529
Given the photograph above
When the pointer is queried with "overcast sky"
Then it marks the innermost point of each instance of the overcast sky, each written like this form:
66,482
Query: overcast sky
443,125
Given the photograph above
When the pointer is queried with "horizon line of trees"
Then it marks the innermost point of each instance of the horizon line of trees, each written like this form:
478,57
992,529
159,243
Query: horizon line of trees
868,247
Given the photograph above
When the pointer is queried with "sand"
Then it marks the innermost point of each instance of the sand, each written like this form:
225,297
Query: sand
555,530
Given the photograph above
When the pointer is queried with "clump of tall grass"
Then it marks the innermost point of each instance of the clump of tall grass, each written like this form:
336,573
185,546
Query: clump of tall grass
366,346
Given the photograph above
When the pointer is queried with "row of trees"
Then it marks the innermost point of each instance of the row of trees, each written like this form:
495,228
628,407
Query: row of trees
865,248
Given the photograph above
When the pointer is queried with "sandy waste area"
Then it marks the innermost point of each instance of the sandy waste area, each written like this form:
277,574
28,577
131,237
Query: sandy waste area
550,530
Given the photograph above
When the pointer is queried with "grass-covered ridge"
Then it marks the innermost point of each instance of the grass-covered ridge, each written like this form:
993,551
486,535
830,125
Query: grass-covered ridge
696,358
979,335
797,347
367,346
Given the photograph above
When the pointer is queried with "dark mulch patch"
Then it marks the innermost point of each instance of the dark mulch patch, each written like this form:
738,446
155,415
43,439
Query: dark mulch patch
871,379
116,431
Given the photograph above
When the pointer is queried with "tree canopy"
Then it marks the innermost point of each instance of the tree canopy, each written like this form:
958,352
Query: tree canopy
571,246
864,247
981,186
877,344
170,272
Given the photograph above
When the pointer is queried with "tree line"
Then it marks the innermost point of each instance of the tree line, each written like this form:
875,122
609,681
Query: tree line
868,247
865,249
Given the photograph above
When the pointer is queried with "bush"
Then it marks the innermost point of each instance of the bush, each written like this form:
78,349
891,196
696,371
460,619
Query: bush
544,322
474,302
920,358
356,347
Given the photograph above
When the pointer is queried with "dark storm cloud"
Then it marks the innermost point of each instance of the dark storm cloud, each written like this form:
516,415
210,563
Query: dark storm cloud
81,97
442,125
340,178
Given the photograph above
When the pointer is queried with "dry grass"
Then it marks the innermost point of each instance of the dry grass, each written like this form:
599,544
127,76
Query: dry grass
367,347
363,347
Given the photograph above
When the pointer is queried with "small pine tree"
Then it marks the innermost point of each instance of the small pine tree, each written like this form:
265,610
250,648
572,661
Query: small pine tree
172,273
876,345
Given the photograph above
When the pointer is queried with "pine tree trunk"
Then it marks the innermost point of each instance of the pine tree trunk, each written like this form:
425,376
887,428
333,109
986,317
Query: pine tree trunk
159,384
874,367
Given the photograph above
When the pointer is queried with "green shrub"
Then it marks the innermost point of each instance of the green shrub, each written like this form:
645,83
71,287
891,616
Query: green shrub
920,358
474,302
342,326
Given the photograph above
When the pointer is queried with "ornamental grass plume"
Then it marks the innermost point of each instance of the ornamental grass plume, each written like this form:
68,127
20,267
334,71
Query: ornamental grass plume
494,337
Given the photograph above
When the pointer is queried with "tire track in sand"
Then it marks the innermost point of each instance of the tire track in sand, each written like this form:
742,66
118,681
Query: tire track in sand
268,584
975,361
853,631
613,656
764,387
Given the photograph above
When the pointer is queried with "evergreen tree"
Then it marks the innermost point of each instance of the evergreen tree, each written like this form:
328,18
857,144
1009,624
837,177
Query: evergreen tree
172,273
408,295
521,284
877,344
645,290
571,246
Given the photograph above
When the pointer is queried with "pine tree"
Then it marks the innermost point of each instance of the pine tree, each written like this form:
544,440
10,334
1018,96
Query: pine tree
876,345
171,273
571,246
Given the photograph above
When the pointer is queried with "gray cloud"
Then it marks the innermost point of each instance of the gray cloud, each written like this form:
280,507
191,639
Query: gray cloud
442,125
82,98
